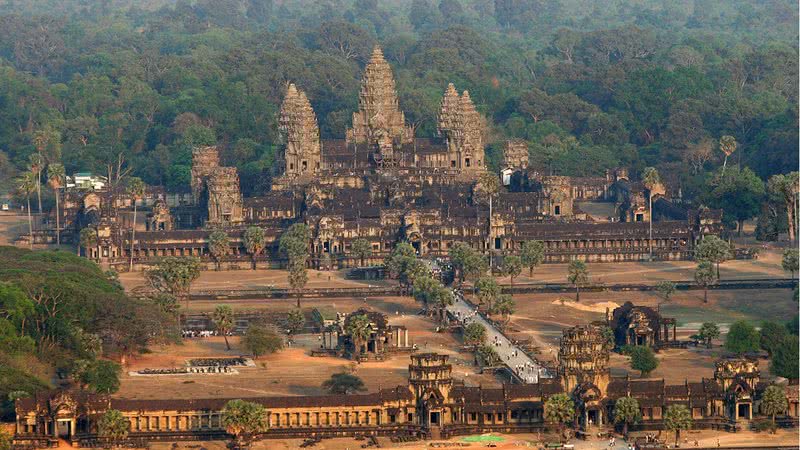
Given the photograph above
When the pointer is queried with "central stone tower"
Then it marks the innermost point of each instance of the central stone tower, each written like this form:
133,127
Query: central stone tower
379,121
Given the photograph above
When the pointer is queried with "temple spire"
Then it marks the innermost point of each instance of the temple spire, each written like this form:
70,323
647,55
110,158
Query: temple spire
378,117
299,124
448,109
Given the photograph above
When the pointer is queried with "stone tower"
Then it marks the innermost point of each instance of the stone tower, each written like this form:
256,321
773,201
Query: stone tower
205,160
430,380
583,359
448,111
299,125
515,155
379,120
224,198
463,127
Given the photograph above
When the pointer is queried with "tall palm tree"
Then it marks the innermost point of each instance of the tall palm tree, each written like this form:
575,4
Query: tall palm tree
728,145
651,179
36,166
135,189
489,184
358,328
26,184
55,178
254,242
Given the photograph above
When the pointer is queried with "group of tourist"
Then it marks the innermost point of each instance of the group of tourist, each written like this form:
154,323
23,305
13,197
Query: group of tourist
200,334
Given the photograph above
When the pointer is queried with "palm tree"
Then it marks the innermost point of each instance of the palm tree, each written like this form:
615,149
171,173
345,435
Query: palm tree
728,145
223,320
578,275
26,184
136,190
218,245
254,242
361,248
651,179
626,411
36,166
55,178
490,185
358,327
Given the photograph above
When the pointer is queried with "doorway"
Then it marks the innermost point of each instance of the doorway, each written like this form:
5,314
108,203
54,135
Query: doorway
64,428
434,418
743,411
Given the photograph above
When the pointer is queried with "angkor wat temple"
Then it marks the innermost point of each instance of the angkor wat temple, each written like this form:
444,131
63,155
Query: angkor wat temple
383,184
431,405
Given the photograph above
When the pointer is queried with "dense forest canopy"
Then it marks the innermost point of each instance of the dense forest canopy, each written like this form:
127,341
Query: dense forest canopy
635,83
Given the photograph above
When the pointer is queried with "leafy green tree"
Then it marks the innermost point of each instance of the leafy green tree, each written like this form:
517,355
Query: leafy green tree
784,359
785,188
714,250
403,264
295,320
665,290
223,319
298,277
474,334
577,275
361,249
677,418
423,290
293,243
174,276
56,178
343,383
101,376
488,355
244,420
135,189
626,411
358,327
512,267
739,193
789,262
532,254
773,402
260,340
254,242
504,305
643,359
26,184
559,409
772,334
219,244
704,275
467,262
708,332
487,290
742,338
651,180
113,426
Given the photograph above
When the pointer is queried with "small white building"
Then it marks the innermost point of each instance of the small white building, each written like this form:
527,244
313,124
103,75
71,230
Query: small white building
86,180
